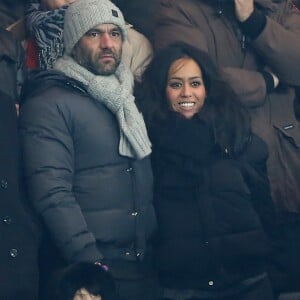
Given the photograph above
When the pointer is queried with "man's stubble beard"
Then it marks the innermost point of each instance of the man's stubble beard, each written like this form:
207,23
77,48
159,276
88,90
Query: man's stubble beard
84,59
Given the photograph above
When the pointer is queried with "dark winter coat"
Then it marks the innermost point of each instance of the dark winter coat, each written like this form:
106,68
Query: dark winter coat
243,52
95,203
19,234
11,11
11,65
210,235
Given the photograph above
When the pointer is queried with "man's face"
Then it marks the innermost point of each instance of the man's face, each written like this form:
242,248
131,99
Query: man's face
100,49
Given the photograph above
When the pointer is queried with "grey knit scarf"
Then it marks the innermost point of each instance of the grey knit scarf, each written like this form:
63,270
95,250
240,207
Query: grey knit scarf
115,92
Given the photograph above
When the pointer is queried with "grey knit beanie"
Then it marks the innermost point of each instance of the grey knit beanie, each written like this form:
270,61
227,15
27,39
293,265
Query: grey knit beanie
83,15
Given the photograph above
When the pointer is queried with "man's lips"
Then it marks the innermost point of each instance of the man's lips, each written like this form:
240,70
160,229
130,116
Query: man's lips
106,57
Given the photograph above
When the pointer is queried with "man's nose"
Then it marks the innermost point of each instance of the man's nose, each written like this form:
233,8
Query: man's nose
106,40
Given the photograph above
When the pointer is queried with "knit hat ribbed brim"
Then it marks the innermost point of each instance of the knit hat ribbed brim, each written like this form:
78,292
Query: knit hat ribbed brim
83,15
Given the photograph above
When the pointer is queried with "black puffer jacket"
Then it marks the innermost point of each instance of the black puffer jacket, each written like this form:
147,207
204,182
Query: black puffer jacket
210,235
94,202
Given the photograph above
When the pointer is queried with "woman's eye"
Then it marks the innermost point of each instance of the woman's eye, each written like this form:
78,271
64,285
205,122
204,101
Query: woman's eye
175,85
196,83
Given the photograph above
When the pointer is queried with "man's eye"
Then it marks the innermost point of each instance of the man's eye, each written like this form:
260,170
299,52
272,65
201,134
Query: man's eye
115,34
92,34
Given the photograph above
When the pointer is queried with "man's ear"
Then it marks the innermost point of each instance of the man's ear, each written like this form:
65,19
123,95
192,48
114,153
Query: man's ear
75,53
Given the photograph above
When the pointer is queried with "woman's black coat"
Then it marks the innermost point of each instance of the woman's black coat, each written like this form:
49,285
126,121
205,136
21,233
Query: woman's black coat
210,231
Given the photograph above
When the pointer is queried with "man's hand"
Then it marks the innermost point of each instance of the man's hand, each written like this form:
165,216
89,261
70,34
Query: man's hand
243,9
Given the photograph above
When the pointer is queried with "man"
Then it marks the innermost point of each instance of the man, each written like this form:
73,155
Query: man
45,24
86,153
18,231
256,44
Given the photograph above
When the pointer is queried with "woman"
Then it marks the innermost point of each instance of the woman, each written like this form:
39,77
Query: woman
211,192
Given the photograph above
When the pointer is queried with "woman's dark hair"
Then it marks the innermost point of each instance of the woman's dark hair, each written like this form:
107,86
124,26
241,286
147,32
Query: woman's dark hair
229,119
86,275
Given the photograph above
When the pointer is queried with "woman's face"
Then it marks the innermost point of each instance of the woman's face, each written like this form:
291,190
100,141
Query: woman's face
54,4
185,89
